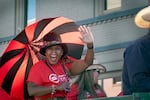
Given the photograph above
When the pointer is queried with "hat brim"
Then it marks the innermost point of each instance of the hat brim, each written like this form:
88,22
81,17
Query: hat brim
140,21
96,67
65,50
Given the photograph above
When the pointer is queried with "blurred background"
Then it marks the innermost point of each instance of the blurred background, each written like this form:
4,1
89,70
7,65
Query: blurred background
111,21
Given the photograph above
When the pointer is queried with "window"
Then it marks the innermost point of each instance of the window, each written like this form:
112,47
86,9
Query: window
112,4
102,7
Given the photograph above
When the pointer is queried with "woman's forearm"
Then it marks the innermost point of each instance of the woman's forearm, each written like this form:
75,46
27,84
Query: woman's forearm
89,57
80,65
35,90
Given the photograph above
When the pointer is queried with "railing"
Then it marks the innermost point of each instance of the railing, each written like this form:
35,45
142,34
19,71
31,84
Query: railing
110,16
134,96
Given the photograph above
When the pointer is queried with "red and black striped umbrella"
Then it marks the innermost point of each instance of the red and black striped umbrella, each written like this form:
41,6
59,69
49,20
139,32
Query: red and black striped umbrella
20,53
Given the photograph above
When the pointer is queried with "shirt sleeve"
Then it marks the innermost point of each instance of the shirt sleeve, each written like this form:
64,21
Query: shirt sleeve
34,74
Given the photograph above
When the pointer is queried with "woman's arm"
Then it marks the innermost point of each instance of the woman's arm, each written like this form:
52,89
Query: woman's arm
87,38
36,90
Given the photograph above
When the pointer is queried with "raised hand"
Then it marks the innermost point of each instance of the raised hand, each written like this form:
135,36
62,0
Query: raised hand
87,36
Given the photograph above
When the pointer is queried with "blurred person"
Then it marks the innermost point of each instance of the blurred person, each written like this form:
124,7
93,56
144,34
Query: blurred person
86,84
136,68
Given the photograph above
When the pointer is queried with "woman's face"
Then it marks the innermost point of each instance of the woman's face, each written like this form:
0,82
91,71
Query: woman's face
54,53
95,76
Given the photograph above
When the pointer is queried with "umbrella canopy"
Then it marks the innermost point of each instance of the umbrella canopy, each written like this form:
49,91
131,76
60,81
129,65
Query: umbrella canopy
4,95
21,52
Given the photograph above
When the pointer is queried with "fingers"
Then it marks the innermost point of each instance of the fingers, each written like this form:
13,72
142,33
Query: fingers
84,30
87,36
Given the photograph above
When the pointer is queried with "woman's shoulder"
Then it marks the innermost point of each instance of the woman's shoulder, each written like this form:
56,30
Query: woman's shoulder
69,59
39,63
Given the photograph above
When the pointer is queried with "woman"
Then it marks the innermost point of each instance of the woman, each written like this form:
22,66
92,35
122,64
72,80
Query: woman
49,78
86,85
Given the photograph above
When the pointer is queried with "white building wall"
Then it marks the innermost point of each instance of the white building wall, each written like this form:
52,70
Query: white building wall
74,9
117,31
130,4
111,33
7,18
7,21
3,47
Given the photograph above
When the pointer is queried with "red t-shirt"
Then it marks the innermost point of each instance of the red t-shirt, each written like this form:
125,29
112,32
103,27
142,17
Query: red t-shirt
42,75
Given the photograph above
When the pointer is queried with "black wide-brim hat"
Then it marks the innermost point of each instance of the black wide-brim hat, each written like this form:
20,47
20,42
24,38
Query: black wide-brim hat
52,39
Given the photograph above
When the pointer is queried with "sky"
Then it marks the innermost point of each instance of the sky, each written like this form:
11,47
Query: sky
31,9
